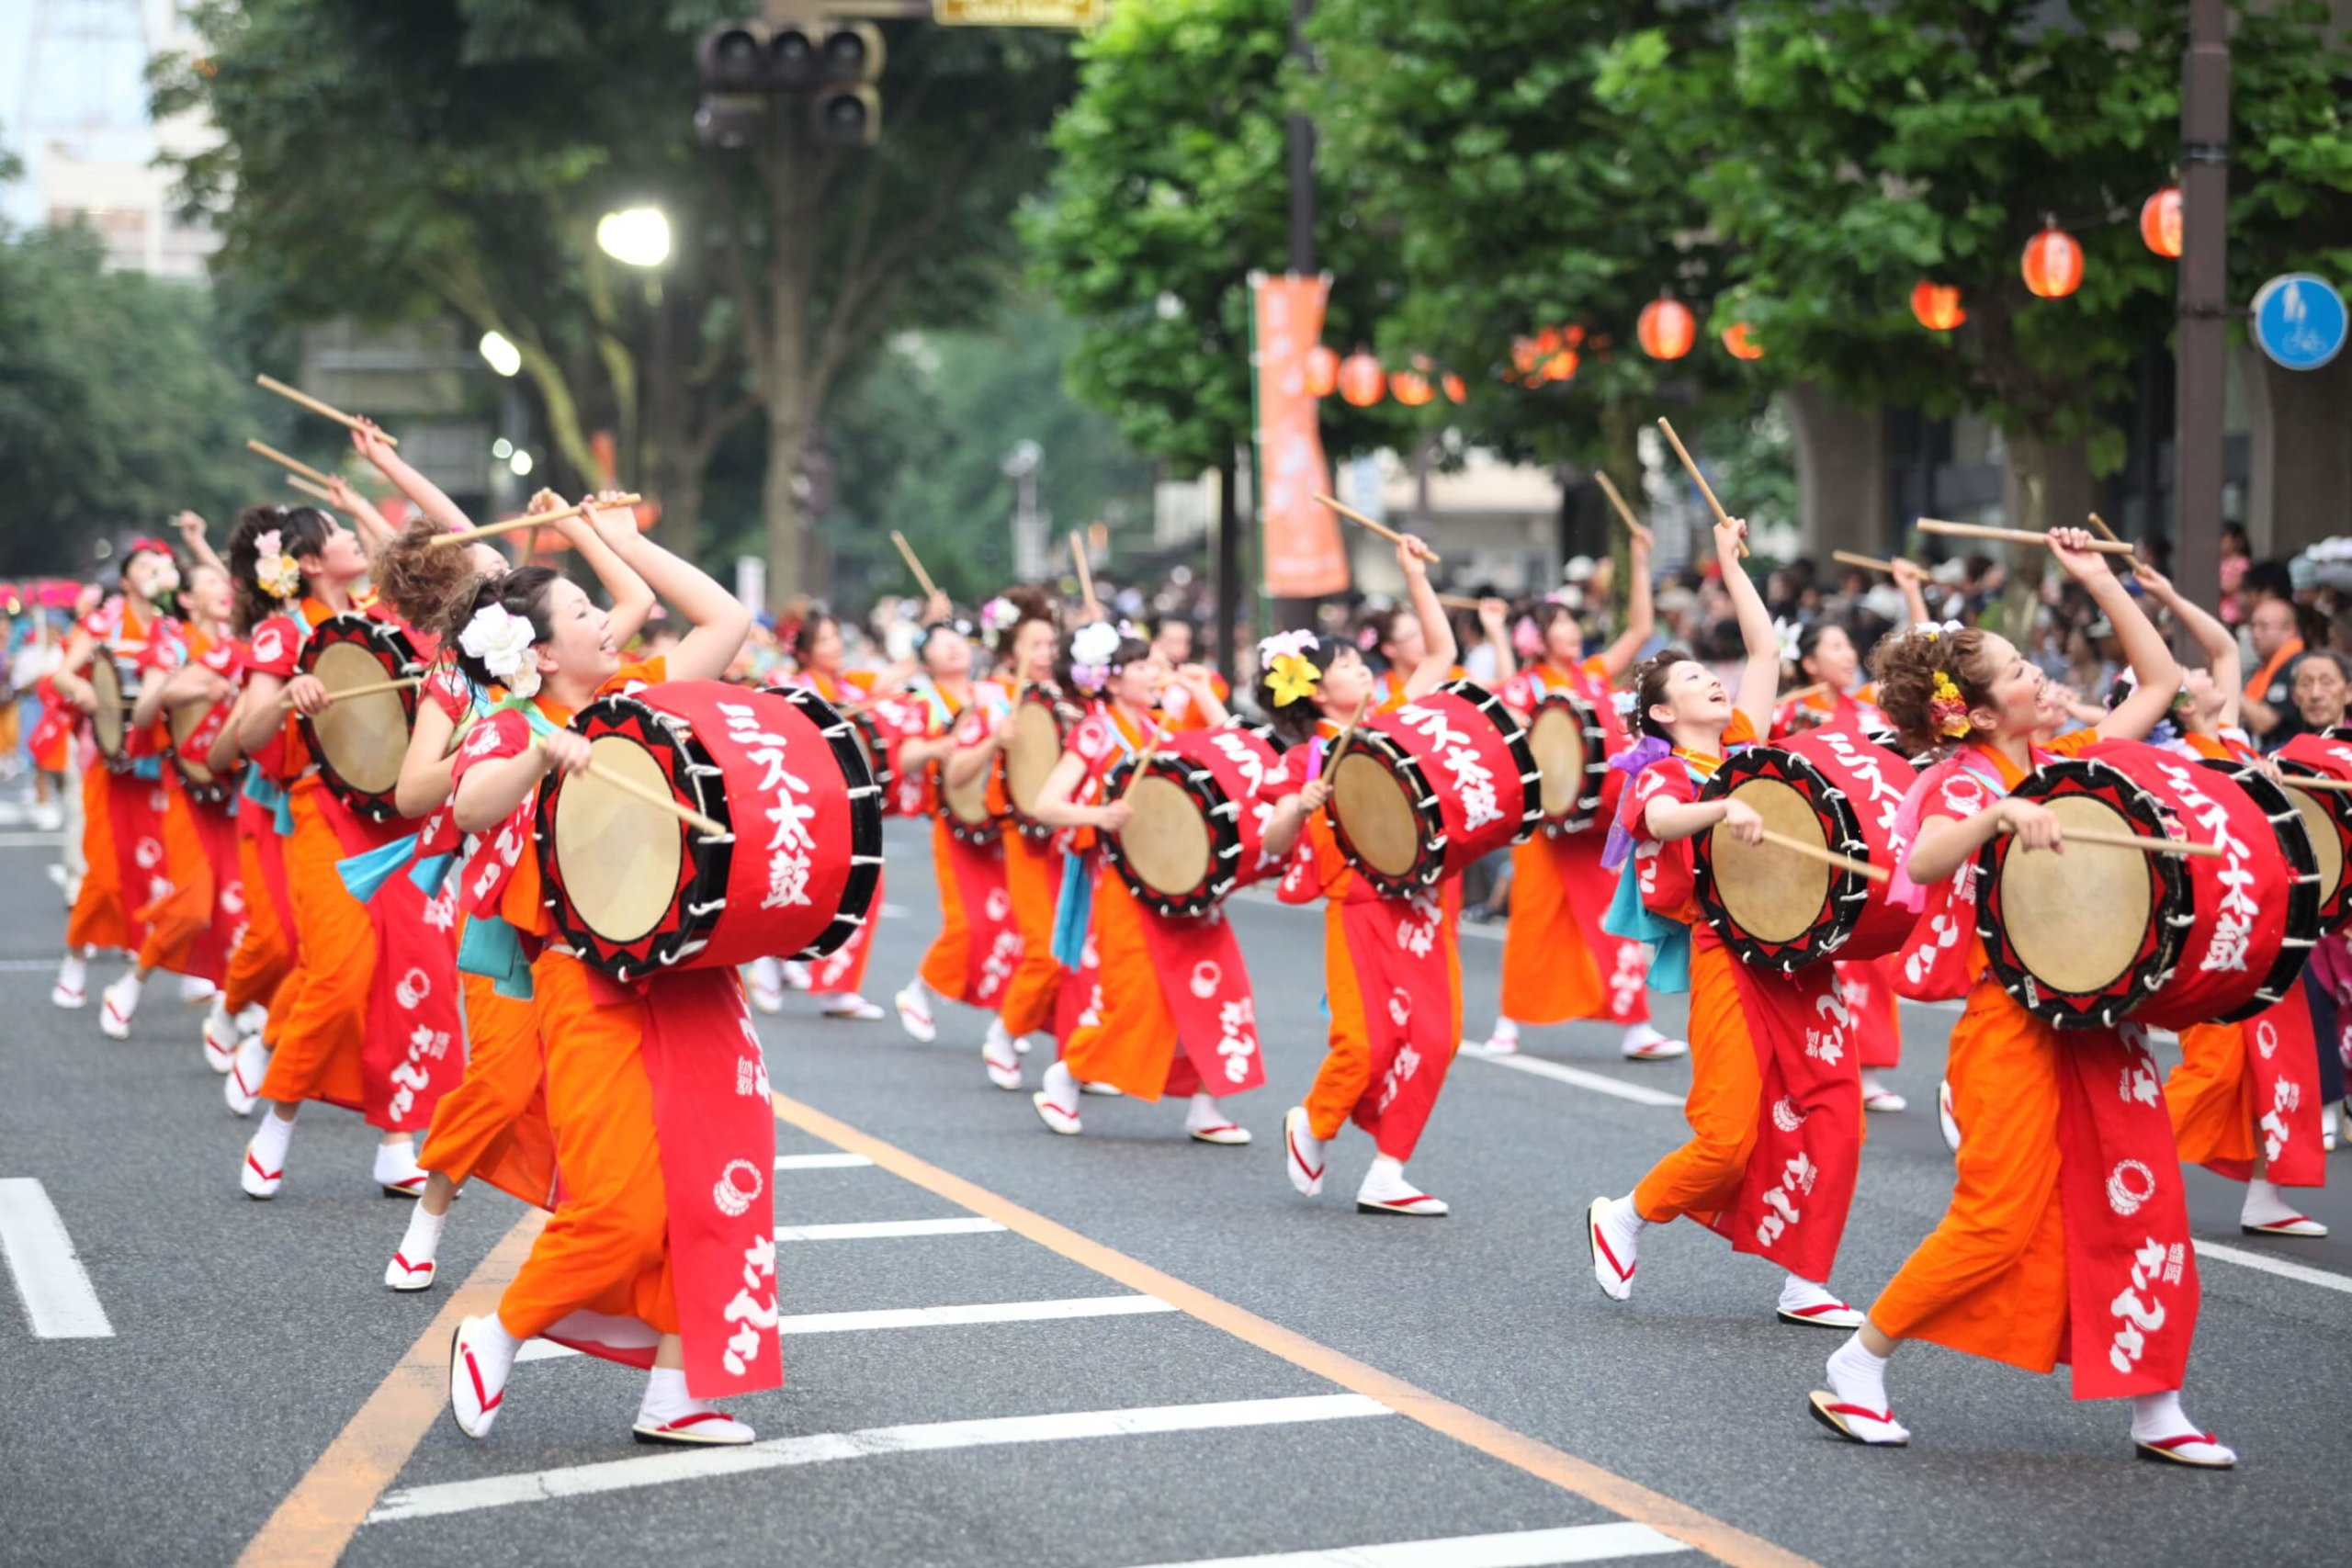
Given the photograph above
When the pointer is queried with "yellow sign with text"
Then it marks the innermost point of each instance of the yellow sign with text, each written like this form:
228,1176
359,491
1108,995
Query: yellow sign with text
1018,12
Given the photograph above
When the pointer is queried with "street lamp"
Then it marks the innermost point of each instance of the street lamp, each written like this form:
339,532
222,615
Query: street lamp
502,356
634,236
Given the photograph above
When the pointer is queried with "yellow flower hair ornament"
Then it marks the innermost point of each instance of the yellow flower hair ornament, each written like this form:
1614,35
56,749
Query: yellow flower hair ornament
1947,710
1291,678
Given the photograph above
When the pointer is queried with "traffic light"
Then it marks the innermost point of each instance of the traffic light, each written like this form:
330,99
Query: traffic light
829,67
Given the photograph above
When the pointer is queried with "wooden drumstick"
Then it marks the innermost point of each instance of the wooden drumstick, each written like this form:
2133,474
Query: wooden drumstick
2010,536
2149,845
2105,532
922,578
372,688
1867,563
532,519
306,487
1690,467
1826,857
295,395
1382,529
651,796
1617,502
261,449
2325,785
1347,739
1085,574
1143,760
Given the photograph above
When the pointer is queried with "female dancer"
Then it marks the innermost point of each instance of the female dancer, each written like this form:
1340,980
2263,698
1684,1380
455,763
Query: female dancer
1557,963
312,566
1775,1102
1141,1034
493,1124
977,948
1022,628
2031,1261
122,830
611,1252
1384,1064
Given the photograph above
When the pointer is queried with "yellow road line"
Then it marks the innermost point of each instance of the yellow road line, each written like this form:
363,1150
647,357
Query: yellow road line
1629,1498
316,1520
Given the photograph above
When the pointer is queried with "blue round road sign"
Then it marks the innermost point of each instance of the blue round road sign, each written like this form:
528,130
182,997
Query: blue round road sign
2300,321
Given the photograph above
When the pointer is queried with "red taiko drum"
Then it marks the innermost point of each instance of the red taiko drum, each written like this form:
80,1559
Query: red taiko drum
634,890
110,715
1201,811
1041,724
1571,750
361,741
2093,935
2327,814
1431,788
1833,787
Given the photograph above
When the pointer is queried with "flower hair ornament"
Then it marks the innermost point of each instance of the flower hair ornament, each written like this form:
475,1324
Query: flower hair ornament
999,617
1092,649
1935,630
1298,645
1947,712
279,575
503,641
1291,678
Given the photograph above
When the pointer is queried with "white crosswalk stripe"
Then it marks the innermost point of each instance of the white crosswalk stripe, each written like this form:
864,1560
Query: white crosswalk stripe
925,1317
1516,1549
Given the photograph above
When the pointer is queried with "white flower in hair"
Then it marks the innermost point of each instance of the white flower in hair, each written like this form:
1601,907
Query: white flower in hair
1094,643
279,574
998,613
1787,632
502,640
167,576
1298,644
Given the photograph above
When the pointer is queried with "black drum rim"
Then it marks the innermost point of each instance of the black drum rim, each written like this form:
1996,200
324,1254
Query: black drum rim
2084,776
877,754
978,835
120,760
383,638
2332,911
1579,816
1067,716
1849,891
865,799
1522,755
1224,819
1429,818
2304,922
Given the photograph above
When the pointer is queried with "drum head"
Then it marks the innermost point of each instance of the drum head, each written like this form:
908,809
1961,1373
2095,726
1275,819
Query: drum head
1369,799
620,856
184,722
2079,918
1167,845
1558,740
1030,755
363,739
967,802
1768,892
2327,845
107,723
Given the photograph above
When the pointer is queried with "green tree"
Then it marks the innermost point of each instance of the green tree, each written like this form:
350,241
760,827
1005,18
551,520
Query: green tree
1846,151
455,155
118,403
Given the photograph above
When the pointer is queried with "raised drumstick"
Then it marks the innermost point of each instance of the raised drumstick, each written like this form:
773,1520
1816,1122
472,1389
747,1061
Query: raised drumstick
1085,574
2011,536
1617,502
1382,529
1690,467
295,395
922,578
532,519
274,455
1867,563
306,487
369,690
2105,532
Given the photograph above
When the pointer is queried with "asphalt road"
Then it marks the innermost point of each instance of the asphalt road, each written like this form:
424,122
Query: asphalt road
1308,1380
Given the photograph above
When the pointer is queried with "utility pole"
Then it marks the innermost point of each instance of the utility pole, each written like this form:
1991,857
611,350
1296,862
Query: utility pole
2204,285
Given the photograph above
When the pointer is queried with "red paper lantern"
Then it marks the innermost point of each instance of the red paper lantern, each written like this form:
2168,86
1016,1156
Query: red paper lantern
1411,388
2160,222
1561,367
2052,263
1936,305
1455,391
1666,329
1525,357
1322,371
1740,343
1361,381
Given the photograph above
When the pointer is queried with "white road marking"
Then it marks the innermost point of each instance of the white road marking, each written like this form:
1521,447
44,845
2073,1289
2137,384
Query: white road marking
777,1453
1518,1549
2324,1278
879,1230
924,1317
59,1300
31,841
31,965
819,1162
1600,1083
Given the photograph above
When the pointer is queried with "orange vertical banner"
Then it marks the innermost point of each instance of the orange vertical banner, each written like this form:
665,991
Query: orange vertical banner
1304,557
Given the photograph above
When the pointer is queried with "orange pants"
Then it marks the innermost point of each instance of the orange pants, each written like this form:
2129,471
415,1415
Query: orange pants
1551,973
2210,1096
1132,1045
264,957
1703,1176
323,1029
100,918
177,918
1991,1277
1346,1073
948,966
1036,983
494,1123
606,1248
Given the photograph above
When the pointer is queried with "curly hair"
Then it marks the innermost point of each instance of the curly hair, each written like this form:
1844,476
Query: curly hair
421,579
301,531
521,592
1294,721
1906,666
1029,604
